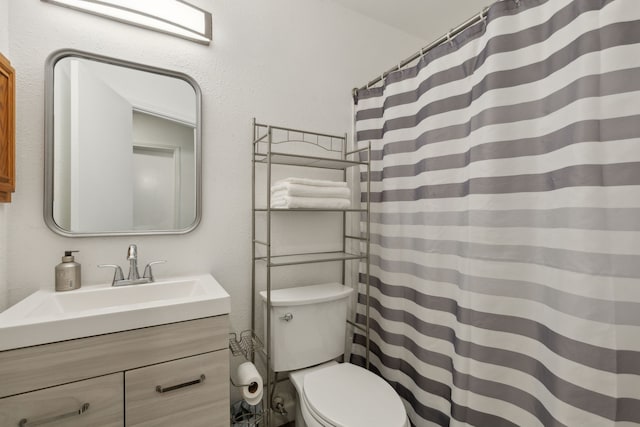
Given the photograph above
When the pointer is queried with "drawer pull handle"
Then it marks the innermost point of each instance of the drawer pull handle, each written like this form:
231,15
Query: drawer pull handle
161,389
26,423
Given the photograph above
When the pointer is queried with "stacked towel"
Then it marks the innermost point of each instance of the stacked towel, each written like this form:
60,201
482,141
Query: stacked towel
294,202
303,193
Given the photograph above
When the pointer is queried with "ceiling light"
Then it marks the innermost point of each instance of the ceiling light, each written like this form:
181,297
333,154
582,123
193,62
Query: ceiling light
174,17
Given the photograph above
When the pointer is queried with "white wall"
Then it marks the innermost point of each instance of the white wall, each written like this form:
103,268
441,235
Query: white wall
288,62
4,208
175,100
425,19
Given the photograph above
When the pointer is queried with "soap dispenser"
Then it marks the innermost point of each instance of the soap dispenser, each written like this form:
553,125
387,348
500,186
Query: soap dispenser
68,273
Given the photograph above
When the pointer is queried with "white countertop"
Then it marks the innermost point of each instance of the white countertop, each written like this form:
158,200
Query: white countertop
49,316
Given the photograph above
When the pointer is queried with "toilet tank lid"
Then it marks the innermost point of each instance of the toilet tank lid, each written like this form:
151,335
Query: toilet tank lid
304,295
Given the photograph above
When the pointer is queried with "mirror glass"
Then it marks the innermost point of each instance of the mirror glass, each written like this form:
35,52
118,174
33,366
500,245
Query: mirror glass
123,147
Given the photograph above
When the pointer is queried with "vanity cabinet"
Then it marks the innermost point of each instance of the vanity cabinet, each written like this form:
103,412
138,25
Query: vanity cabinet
167,375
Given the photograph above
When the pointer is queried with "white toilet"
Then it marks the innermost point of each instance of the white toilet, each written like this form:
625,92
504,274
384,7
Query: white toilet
308,328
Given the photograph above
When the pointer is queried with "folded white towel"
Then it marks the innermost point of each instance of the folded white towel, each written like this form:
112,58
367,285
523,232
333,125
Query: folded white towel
302,190
293,202
308,181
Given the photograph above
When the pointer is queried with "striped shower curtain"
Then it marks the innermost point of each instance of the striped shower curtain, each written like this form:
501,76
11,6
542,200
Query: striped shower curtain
505,220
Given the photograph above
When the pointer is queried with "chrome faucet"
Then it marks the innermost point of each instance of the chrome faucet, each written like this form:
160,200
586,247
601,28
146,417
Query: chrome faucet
132,257
134,276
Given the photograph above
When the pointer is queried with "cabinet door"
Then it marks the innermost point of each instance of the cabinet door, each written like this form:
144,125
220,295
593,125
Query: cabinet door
189,392
7,129
89,403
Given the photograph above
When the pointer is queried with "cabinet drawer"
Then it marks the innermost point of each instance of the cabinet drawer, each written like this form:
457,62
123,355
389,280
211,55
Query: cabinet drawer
48,365
61,406
173,394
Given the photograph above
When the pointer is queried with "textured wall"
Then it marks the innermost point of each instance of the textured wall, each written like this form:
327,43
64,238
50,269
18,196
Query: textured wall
283,61
4,26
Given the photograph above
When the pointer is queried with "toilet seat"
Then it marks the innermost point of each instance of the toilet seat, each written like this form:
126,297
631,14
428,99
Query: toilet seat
346,395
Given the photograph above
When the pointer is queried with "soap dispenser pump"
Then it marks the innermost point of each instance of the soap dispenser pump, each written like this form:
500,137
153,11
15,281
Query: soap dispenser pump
68,273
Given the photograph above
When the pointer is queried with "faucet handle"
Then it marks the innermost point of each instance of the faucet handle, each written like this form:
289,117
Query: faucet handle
117,274
148,273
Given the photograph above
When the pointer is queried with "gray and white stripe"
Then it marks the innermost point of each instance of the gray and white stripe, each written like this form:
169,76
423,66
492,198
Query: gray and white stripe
505,220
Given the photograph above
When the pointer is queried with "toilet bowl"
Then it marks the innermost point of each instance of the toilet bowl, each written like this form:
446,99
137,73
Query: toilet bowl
308,332
345,395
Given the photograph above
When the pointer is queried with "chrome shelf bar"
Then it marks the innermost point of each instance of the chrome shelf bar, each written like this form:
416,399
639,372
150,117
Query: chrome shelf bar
364,239
253,236
255,141
309,258
269,159
357,326
359,150
304,132
368,260
307,161
308,210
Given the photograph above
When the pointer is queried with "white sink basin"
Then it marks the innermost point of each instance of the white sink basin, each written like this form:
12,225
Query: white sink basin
48,316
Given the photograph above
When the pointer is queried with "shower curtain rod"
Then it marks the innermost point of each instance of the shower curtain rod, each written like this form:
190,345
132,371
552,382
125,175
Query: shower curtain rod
446,37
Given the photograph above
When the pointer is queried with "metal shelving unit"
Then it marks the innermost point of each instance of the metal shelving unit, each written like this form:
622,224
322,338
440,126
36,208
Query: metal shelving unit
338,158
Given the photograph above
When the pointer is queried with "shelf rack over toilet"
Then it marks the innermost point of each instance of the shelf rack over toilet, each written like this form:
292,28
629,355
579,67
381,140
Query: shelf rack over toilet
272,146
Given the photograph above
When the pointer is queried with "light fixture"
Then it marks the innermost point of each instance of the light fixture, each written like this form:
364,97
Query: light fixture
175,17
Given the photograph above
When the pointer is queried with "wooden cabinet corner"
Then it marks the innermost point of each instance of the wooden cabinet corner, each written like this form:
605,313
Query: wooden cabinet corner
7,129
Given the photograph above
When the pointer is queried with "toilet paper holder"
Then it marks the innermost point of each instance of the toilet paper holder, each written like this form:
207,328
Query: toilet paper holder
253,387
244,344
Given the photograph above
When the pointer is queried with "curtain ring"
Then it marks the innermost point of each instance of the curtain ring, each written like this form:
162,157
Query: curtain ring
517,3
449,39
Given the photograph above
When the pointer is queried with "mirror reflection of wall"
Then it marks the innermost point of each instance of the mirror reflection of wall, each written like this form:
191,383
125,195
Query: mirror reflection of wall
163,171
124,149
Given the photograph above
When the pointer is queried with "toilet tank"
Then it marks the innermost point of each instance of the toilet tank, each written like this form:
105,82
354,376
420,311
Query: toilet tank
315,331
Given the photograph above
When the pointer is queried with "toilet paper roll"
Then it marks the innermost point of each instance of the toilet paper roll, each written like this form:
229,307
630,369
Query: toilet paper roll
252,387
